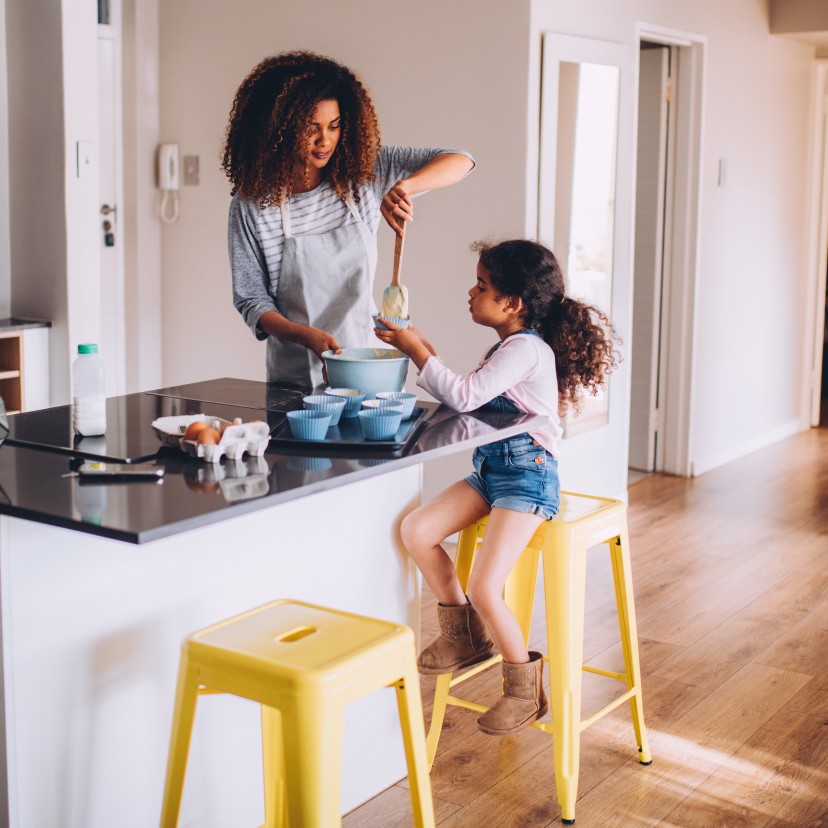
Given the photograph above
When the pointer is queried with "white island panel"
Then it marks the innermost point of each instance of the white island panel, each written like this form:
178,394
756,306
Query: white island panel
91,635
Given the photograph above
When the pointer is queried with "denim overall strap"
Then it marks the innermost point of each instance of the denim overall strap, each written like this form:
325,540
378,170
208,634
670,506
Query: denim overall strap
500,341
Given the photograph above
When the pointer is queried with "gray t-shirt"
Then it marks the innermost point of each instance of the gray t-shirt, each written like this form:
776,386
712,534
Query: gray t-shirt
256,239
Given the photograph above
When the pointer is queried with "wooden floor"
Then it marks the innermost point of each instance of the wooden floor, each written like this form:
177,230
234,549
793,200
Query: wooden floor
731,584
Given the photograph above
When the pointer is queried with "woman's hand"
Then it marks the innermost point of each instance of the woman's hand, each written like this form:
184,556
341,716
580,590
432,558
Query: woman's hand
318,341
409,341
397,207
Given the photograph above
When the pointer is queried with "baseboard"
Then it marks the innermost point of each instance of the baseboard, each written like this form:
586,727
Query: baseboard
705,464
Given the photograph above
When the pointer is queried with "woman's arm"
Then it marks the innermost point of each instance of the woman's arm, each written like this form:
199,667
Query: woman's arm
314,339
443,170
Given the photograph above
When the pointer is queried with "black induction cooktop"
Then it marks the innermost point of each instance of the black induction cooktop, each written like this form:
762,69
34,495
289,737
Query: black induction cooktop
240,393
129,436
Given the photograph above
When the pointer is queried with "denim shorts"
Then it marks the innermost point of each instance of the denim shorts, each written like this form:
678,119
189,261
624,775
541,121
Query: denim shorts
517,474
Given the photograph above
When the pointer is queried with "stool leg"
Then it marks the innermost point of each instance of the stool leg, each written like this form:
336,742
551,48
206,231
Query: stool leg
273,765
438,712
519,592
464,558
411,723
312,729
564,573
466,550
622,575
186,696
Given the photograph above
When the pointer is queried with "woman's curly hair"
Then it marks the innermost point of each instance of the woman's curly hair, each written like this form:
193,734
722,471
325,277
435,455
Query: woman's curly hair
581,336
270,124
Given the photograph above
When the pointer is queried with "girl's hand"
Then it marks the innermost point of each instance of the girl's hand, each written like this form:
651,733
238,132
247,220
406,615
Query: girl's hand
397,207
423,338
408,341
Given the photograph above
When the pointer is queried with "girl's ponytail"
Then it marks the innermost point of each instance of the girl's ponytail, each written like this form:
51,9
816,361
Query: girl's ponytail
584,342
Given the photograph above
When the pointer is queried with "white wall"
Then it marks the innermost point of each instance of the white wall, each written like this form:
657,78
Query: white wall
5,238
142,230
37,226
751,300
440,74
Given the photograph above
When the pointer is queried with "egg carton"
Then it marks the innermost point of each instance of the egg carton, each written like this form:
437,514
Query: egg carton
236,437
236,480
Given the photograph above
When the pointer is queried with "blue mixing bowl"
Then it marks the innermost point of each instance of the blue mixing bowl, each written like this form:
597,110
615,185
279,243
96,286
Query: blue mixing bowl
368,369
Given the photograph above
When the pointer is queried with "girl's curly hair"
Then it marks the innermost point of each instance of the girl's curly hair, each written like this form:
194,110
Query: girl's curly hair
270,124
581,336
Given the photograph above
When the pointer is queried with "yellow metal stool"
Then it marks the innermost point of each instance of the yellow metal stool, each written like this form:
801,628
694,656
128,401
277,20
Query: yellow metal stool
582,522
303,663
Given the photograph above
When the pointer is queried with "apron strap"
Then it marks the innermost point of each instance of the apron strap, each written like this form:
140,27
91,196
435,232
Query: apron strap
349,201
283,209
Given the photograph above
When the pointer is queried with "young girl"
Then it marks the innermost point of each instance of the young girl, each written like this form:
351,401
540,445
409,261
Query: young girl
551,349
309,185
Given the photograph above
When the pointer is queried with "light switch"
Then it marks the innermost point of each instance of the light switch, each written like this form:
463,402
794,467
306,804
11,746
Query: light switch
86,159
191,170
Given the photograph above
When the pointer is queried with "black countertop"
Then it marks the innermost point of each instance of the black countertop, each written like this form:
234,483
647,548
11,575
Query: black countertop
37,481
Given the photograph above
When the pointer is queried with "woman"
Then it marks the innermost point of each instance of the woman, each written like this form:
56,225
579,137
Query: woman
310,182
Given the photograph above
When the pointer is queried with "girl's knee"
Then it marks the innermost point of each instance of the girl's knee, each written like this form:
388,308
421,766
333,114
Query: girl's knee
412,530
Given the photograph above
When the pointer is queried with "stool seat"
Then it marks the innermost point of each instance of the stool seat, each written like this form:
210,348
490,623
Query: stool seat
582,522
303,663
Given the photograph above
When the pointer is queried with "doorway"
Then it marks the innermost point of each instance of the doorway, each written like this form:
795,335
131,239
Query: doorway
668,153
653,211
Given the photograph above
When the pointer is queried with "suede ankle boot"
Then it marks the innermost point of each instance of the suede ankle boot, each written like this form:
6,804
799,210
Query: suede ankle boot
463,641
523,700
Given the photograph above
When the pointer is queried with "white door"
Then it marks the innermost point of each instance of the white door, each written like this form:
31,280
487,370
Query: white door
650,206
111,220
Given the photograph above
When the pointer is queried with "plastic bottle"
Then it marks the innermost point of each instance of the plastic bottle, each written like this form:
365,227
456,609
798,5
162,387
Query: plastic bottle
88,392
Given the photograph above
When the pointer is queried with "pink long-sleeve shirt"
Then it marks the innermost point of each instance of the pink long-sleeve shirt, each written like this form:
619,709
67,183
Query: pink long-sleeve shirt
522,368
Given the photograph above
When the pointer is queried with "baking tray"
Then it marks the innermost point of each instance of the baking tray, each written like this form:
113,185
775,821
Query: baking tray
347,435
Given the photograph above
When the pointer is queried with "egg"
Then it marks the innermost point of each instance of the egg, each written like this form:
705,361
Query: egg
193,429
206,487
208,436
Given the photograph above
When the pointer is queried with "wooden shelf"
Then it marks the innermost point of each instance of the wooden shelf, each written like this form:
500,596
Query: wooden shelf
11,364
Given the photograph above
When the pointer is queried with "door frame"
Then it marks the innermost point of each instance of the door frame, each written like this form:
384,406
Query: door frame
817,249
675,453
116,381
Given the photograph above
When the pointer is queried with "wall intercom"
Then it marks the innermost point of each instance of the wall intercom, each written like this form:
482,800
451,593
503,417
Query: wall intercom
168,181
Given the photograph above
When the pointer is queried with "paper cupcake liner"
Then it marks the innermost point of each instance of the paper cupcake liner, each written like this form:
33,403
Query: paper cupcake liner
327,403
399,321
308,425
353,399
407,399
379,423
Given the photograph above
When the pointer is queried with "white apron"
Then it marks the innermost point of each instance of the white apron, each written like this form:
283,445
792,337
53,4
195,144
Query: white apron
325,281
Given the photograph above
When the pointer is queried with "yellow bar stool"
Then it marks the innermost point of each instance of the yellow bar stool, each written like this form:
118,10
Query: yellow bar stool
303,663
583,521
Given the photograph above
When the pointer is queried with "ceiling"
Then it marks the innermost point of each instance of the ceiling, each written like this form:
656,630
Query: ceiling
802,20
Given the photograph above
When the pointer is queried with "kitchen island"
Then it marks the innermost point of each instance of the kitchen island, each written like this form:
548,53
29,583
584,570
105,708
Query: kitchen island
101,582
